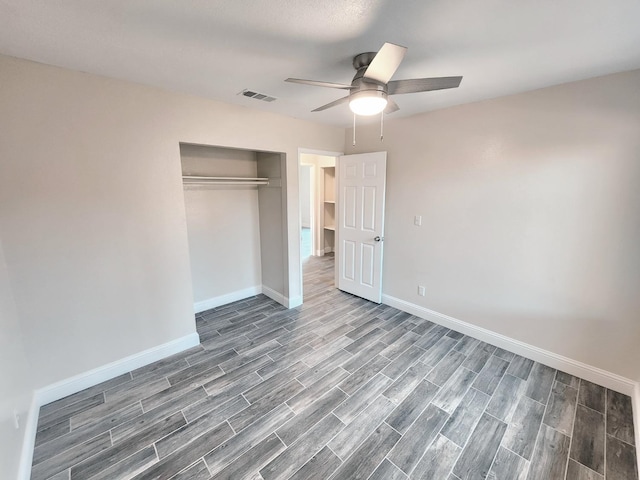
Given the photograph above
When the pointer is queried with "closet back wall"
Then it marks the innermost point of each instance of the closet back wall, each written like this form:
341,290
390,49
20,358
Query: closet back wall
222,225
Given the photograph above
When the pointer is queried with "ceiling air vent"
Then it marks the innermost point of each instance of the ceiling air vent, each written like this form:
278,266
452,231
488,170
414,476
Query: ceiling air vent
258,96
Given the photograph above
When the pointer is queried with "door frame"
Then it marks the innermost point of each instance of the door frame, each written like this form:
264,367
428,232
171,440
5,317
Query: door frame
312,196
325,153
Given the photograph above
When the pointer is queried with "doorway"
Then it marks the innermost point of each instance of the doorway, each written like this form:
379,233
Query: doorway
317,199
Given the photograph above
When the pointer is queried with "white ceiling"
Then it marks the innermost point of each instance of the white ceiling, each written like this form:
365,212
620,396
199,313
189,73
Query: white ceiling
216,48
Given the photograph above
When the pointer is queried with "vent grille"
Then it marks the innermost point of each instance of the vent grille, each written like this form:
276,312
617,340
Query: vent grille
258,96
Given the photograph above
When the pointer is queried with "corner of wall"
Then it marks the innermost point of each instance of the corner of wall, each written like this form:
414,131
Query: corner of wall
276,296
595,375
77,383
29,439
226,298
573,367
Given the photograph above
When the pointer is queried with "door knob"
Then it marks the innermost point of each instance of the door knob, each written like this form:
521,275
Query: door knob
378,238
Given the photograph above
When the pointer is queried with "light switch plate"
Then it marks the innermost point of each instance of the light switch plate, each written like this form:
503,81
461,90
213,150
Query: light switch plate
417,220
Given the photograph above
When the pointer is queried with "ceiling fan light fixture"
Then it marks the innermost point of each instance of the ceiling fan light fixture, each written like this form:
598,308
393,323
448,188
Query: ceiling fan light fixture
367,103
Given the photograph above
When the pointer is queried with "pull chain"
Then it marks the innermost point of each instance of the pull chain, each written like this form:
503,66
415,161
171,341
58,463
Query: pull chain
354,129
382,126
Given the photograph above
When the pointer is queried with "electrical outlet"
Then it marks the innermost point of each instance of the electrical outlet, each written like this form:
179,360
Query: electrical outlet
417,220
421,291
16,420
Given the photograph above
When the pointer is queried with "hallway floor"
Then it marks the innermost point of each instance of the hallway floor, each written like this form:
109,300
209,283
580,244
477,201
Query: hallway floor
339,388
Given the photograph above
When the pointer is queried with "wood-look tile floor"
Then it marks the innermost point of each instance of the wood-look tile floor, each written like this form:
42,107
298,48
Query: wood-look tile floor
337,389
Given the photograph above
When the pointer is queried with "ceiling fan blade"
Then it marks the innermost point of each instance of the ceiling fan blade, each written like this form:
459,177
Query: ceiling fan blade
415,85
391,106
385,63
332,104
316,83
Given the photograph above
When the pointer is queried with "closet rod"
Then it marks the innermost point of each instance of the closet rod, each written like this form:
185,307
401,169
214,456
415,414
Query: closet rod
202,180
198,177
217,182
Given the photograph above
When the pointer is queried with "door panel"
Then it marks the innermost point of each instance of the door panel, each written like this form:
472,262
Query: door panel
350,206
369,208
349,264
368,254
361,190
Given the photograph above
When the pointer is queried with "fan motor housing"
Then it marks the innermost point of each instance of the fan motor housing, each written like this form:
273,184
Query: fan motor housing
359,83
363,60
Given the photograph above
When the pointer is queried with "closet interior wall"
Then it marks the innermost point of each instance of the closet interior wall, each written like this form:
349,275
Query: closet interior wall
273,227
232,229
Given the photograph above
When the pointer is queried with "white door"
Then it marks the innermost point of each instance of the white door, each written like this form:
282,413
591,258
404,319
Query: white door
360,224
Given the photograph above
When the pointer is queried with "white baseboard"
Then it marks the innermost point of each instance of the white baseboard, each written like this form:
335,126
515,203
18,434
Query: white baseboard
328,249
277,296
77,383
319,253
568,365
289,302
295,301
281,299
226,298
29,440
246,293
636,421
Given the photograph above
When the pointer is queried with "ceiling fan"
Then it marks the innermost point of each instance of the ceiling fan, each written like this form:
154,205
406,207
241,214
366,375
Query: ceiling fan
371,86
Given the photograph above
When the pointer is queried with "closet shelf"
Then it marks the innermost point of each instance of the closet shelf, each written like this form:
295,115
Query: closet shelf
202,180
330,201
330,227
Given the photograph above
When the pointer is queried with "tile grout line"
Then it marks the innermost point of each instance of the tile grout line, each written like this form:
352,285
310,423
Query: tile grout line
573,424
541,421
391,462
621,441
517,454
495,455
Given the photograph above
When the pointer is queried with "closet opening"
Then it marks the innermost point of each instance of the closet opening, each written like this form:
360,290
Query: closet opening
236,223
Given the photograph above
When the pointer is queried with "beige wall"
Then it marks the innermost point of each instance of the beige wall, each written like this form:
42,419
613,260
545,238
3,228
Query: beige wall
222,222
530,211
15,374
92,209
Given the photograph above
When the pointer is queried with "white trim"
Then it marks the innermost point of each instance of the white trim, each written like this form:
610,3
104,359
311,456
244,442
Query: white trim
294,302
322,153
568,365
77,383
328,249
29,440
277,296
635,398
281,299
226,298
246,293
319,253
88,379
